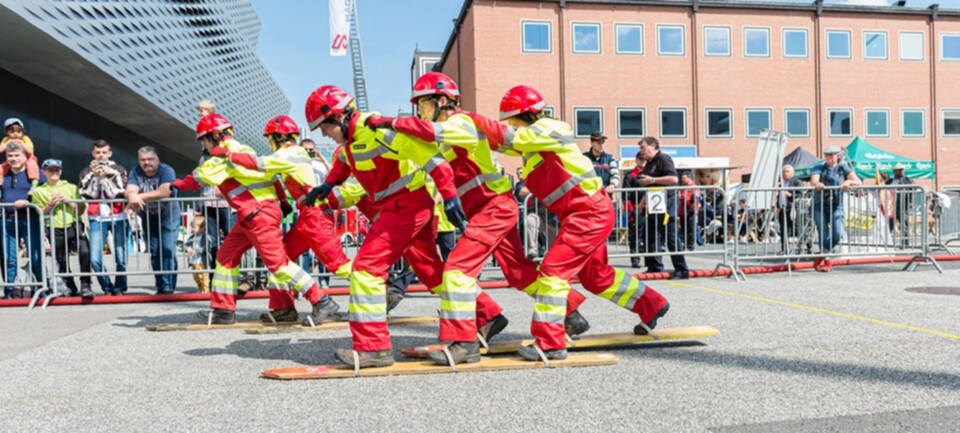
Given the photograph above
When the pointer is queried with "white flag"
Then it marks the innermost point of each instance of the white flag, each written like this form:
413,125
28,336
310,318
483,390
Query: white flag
339,26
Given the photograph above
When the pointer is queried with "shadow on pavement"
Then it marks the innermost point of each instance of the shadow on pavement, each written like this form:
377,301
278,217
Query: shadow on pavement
305,351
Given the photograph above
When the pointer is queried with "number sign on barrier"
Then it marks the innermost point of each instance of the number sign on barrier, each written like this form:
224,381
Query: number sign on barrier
657,201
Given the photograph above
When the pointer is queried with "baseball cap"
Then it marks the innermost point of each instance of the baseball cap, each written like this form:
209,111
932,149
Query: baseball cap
597,136
12,121
832,150
51,163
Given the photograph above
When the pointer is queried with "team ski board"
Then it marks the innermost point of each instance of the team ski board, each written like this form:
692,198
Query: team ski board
257,327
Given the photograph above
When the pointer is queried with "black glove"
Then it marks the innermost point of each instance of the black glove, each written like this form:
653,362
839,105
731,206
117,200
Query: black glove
318,193
286,208
454,211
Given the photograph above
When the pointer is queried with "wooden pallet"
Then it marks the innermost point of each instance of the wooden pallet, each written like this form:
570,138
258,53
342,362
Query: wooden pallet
427,367
595,341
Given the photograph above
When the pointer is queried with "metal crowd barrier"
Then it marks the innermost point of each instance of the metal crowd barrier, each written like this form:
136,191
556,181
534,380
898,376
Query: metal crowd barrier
944,208
22,251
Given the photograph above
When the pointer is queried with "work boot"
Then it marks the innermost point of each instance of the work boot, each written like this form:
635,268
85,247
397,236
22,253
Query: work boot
493,327
379,358
575,324
461,351
325,310
86,292
220,316
634,262
530,353
393,299
640,330
283,315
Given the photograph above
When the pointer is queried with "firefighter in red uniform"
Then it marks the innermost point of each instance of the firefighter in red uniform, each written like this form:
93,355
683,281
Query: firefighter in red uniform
388,168
313,229
487,202
563,179
254,195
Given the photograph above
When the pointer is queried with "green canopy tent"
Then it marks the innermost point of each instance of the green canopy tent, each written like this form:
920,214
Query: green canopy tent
865,158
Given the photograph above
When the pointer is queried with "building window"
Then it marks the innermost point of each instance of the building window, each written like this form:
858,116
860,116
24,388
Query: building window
878,123
536,37
549,111
757,120
756,42
718,123
716,41
630,122
629,38
587,120
838,44
840,122
586,38
673,123
795,43
949,46
875,45
798,122
951,123
911,46
912,123
670,40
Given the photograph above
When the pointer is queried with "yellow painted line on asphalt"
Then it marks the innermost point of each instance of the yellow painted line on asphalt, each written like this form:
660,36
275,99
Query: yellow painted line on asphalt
819,310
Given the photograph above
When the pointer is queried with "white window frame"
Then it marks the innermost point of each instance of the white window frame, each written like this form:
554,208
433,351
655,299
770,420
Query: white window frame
943,35
826,39
943,121
866,121
573,36
523,36
806,42
746,119
923,122
683,40
550,111
706,122
706,52
886,45
923,40
576,123
686,121
644,126
747,29
616,39
786,122
830,124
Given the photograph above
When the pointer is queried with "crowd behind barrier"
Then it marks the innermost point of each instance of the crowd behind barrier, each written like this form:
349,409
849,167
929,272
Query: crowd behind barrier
754,225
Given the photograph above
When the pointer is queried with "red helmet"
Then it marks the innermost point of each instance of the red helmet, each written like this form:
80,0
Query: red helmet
213,122
434,83
519,100
282,125
325,102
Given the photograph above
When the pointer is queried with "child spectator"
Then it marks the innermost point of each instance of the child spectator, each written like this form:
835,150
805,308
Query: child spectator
15,131
197,252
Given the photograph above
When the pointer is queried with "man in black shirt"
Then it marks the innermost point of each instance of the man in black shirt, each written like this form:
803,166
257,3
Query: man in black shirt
660,172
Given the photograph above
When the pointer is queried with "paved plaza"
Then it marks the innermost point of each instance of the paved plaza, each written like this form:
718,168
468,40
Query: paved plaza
849,351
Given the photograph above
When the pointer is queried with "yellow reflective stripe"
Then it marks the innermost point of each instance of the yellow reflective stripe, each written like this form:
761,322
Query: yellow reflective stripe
551,300
531,290
394,187
370,154
344,270
567,186
437,132
433,162
250,187
477,181
363,283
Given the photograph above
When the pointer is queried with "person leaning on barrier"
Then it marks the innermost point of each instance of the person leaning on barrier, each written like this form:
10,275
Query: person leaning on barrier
785,201
688,211
150,182
103,180
68,232
635,207
657,173
604,164
828,213
713,206
20,221
903,201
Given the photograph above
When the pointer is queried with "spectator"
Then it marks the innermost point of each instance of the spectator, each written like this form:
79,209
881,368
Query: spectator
149,182
68,232
828,205
529,220
206,107
604,164
197,252
659,172
320,169
903,201
14,130
713,205
104,180
785,202
635,206
688,211
21,222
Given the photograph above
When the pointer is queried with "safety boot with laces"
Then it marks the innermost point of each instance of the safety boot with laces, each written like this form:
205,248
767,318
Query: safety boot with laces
575,324
493,327
282,315
378,358
531,353
460,352
220,316
325,310
645,328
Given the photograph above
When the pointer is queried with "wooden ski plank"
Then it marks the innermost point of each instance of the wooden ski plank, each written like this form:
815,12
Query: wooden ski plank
587,341
393,321
426,367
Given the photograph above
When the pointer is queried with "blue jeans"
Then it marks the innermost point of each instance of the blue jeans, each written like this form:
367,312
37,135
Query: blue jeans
28,229
827,214
98,237
163,255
